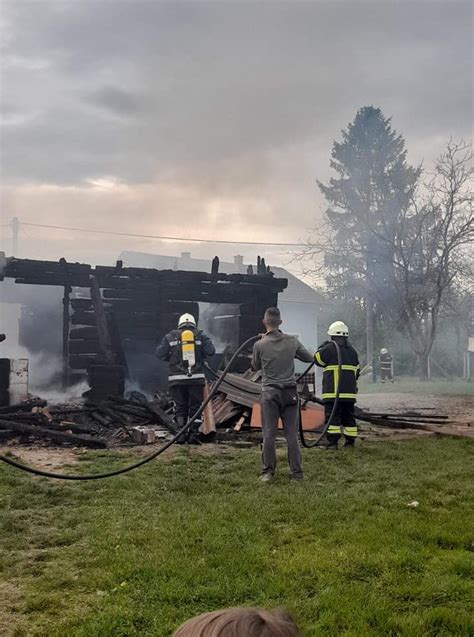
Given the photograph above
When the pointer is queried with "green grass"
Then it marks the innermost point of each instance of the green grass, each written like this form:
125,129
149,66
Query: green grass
409,385
139,554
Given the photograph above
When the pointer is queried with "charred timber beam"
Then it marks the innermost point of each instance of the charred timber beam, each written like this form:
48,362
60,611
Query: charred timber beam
102,324
84,347
85,333
66,325
77,275
138,319
85,361
57,436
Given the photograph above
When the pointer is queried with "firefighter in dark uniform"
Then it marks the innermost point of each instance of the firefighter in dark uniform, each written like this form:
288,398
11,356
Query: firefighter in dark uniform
186,349
386,365
326,357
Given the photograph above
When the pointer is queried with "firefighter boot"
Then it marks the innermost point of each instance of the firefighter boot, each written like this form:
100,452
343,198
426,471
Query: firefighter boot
193,437
330,444
180,422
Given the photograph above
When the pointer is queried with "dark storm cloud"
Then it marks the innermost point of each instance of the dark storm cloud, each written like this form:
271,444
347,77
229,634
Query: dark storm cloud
205,90
115,100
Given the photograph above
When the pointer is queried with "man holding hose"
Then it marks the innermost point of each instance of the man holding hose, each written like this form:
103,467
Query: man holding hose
275,355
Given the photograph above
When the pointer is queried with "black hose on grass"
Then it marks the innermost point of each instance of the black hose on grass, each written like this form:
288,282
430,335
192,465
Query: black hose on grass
143,461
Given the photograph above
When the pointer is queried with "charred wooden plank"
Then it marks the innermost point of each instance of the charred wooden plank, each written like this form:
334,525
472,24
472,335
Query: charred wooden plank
131,294
148,304
82,304
57,436
84,318
84,347
102,323
106,422
84,333
85,361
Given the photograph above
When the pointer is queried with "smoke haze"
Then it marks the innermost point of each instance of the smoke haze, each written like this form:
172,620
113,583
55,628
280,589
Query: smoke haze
209,120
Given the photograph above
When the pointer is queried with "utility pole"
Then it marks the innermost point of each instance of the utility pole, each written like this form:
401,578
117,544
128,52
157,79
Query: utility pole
15,226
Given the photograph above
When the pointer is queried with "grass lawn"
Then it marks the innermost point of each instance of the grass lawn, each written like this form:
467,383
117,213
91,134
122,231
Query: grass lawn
410,385
138,554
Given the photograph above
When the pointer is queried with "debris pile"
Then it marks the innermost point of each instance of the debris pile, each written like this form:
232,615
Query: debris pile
92,424
233,415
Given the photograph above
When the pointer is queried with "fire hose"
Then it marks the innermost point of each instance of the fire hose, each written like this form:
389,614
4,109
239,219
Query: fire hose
306,443
147,459
183,430
316,442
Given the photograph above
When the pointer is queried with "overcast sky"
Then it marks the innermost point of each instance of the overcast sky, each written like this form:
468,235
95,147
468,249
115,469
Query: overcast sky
210,119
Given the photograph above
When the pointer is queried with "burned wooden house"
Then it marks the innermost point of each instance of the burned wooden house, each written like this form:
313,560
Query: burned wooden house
113,317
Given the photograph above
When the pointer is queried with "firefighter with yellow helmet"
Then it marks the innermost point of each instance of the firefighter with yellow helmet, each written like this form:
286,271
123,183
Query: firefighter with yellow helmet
186,349
326,357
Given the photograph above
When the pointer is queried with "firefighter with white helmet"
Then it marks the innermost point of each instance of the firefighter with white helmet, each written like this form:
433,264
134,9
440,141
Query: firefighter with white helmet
386,365
326,357
186,349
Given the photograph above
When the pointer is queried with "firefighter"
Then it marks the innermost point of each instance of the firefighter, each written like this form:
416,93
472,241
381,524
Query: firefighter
326,357
386,365
186,349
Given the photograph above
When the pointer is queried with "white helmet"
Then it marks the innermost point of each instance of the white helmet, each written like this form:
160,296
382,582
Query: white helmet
338,328
186,319
384,350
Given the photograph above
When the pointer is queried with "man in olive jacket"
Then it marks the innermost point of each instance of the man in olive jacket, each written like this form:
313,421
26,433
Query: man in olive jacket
275,355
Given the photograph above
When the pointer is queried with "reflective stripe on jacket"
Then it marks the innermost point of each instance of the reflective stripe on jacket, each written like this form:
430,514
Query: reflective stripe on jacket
386,361
326,357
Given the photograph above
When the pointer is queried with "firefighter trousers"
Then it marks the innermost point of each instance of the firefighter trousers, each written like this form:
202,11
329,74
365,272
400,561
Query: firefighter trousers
187,398
344,421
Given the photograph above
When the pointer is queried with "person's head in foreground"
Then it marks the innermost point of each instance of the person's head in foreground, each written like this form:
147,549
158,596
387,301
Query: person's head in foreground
272,319
240,622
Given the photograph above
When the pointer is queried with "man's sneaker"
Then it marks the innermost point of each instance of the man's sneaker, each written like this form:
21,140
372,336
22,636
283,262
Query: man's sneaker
266,477
298,478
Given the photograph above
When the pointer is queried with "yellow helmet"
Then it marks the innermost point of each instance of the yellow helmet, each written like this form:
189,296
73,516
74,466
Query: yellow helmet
338,328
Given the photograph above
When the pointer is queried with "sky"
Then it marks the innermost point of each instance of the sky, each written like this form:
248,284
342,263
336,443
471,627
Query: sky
209,119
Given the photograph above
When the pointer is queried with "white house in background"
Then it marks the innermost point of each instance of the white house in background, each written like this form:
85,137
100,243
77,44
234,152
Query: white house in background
300,304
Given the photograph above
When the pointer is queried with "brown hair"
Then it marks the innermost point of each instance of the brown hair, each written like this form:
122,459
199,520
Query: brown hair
240,622
272,317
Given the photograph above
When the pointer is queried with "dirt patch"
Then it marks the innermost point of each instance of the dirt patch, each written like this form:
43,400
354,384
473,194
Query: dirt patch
52,458
460,409
44,457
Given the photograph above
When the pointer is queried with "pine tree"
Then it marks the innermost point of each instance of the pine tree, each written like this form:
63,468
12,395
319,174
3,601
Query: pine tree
373,186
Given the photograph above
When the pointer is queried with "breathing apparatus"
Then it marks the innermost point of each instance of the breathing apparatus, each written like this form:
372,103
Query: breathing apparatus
188,351
188,425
